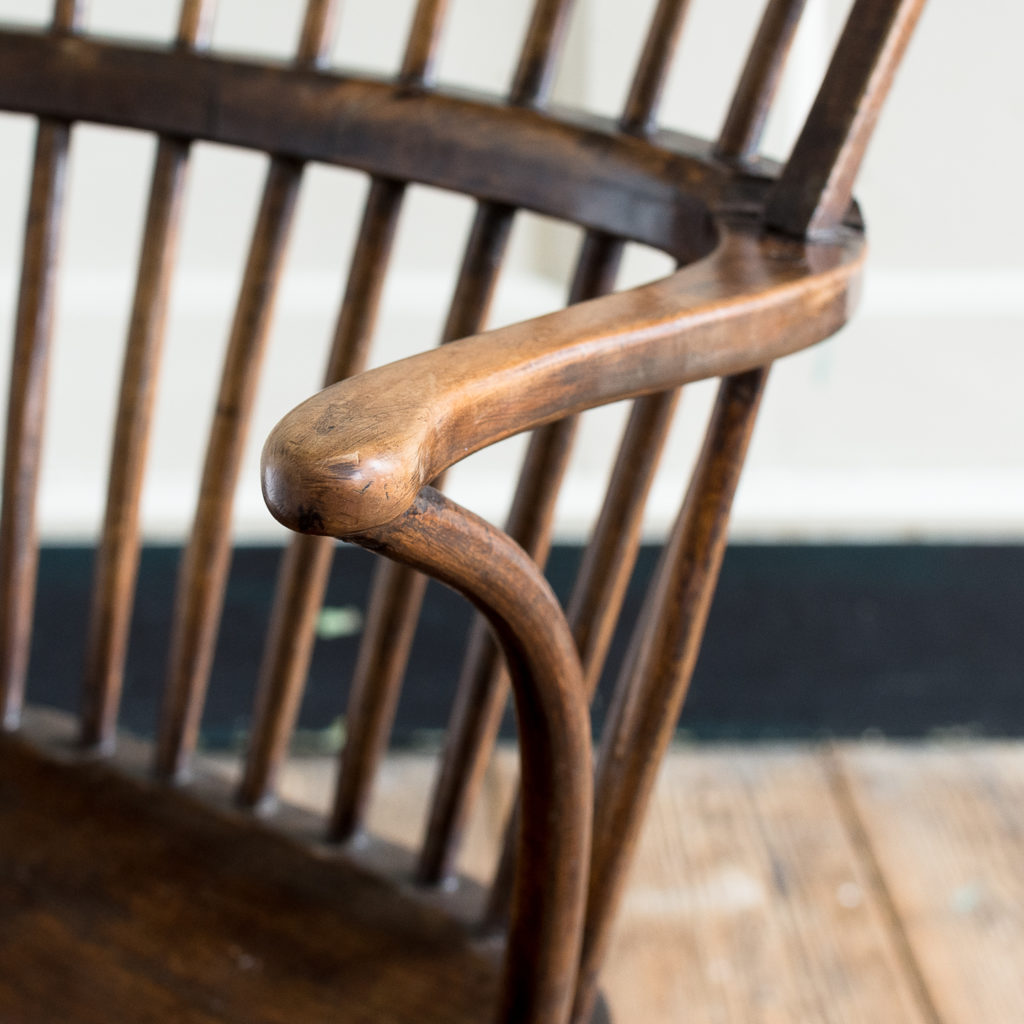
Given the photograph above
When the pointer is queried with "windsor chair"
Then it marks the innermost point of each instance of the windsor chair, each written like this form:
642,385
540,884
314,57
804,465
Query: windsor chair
132,886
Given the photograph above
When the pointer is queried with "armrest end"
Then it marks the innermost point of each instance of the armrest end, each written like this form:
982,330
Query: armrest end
314,485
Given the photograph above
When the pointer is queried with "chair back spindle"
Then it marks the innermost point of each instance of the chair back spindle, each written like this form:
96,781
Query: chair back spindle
744,123
659,666
657,671
306,567
203,574
610,556
19,544
397,594
813,192
117,554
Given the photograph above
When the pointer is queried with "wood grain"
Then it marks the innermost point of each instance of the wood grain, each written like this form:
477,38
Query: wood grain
397,593
305,569
157,908
574,167
125,892
482,690
748,903
945,826
542,949
814,190
750,898
355,455
117,554
202,577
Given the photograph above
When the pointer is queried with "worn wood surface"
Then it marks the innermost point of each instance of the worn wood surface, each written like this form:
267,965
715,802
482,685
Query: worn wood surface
747,902
150,908
304,572
117,554
354,456
754,897
945,825
483,690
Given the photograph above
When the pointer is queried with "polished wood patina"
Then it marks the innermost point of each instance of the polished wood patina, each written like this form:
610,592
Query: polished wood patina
147,888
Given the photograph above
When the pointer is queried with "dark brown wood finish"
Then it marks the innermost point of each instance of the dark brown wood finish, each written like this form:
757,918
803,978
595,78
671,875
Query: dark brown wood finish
542,950
125,892
648,84
155,907
118,553
570,167
814,190
203,574
27,401
744,123
305,569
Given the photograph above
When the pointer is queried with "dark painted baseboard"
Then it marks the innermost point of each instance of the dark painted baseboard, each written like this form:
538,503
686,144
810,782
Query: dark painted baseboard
803,641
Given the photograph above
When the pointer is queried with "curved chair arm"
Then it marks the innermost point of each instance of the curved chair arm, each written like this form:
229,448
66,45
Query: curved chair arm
354,456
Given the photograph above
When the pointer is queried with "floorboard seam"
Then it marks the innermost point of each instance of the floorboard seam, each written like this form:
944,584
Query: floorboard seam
864,850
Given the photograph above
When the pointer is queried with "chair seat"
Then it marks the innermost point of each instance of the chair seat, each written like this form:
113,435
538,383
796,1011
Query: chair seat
116,906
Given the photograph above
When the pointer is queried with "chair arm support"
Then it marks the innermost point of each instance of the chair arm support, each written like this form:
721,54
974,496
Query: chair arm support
450,544
354,456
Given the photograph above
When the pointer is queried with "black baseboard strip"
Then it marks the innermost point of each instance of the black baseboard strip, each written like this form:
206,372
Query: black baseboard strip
803,641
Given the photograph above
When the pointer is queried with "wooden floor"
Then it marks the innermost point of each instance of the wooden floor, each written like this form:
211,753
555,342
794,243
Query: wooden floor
850,884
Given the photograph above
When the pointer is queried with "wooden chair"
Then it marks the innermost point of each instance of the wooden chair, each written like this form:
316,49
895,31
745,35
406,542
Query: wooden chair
133,888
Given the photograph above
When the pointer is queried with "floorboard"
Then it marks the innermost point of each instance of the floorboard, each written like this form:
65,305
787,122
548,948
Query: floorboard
946,825
875,883
748,902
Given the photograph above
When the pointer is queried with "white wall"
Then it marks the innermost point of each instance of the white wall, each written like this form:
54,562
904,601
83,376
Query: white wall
907,425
